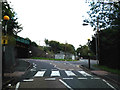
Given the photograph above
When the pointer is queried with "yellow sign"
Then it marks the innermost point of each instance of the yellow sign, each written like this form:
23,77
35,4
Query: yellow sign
4,40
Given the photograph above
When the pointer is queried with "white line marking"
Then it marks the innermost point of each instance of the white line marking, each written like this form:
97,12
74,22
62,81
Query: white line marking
82,78
39,74
70,73
28,80
17,86
95,78
33,69
62,69
84,73
50,78
67,78
71,69
53,69
65,84
108,84
55,73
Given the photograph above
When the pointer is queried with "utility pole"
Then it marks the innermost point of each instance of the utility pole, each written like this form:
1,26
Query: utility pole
97,42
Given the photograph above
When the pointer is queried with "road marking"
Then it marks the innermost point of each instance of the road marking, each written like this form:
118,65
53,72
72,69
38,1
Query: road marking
82,78
65,84
53,69
39,74
108,84
55,73
28,80
71,69
67,78
70,73
50,79
17,86
54,65
33,69
84,73
95,78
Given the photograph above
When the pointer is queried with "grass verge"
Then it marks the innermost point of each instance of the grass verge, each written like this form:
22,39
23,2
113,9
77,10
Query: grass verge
53,59
115,71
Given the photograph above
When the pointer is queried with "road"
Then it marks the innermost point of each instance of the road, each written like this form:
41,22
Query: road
60,74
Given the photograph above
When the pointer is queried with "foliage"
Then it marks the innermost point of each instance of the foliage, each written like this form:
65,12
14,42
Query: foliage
106,14
83,51
13,27
116,71
56,47
34,44
107,17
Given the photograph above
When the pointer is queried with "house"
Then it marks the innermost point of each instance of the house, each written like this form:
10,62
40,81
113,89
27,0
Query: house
63,55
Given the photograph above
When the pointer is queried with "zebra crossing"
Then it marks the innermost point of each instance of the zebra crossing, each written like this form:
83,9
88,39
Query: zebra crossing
57,73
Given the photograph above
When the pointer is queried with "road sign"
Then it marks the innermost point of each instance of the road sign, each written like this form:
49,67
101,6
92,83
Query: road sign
4,40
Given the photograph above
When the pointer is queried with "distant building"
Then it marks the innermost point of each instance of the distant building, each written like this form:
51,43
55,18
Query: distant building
62,55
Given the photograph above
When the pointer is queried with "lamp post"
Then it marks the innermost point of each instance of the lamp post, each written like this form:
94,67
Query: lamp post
6,19
96,40
88,55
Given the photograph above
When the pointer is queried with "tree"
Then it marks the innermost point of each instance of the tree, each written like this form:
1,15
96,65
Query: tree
13,27
104,15
107,17
56,47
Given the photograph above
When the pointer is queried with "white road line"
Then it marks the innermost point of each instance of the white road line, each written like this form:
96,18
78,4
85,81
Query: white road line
67,78
55,73
54,65
82,78
53,69
65,84
95,78
17,86
108,84
28,80
70,73
39,74
33,69
71,69
50,79
84,73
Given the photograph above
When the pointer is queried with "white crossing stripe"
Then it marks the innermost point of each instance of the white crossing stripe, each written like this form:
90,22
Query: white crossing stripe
50,79
55,73
67,78
28,80
84,73
39,74
82,78
70,73
95,78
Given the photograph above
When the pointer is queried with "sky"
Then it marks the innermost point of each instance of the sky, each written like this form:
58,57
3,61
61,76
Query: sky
59,20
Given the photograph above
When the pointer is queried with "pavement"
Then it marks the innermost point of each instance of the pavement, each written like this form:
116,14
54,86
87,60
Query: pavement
19,70
113,78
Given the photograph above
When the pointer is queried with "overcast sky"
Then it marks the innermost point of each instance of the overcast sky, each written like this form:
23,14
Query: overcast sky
59,20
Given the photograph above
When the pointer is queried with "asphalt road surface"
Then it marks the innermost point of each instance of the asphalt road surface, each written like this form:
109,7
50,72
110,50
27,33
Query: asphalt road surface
47,74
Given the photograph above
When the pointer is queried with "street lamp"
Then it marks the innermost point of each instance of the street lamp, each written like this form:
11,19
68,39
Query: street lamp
88,54
97,40
6,19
